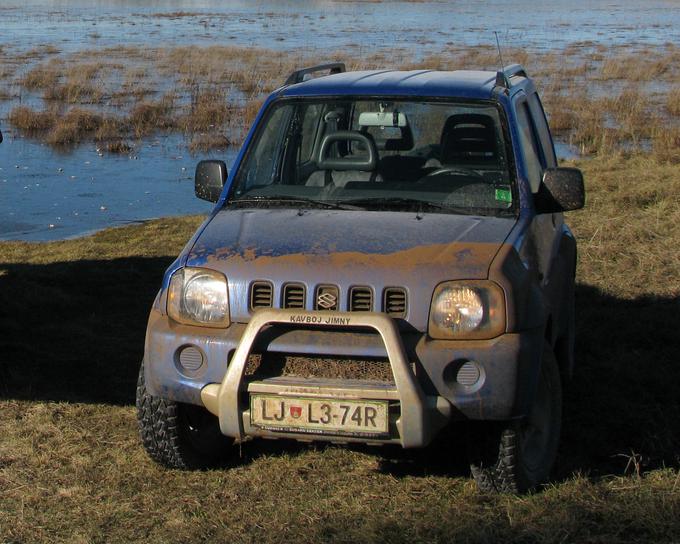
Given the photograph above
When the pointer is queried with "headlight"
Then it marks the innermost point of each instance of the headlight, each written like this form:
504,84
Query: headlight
198,296
467,310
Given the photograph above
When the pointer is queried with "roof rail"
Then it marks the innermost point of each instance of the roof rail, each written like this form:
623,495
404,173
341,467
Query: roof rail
503,77
299,75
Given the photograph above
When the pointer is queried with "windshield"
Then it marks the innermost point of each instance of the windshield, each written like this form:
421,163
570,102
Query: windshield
378,154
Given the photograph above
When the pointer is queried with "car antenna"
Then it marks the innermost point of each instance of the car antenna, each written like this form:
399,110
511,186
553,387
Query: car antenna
501,81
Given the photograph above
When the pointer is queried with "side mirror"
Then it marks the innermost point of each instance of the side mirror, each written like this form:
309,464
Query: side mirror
0,136
560,191
209,180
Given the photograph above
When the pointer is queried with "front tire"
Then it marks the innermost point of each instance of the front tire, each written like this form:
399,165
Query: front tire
179,435
517,456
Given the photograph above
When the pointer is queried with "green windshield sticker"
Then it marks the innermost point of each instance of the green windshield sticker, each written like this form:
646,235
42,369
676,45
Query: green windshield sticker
503,195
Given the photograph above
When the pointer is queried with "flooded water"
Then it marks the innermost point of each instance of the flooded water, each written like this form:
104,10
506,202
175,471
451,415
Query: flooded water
74,24
45,194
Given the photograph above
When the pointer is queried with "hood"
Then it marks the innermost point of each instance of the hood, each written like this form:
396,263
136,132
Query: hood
346,249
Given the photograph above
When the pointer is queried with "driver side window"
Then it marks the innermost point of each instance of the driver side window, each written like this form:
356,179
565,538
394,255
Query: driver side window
529,145
265,155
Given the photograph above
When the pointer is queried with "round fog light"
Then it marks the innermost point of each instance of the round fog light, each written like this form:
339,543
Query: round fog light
464,377
468,374
189,360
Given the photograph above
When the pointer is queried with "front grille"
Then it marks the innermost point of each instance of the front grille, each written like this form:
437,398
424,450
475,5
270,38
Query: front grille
269,365
261,295
293,296
395,302
360,299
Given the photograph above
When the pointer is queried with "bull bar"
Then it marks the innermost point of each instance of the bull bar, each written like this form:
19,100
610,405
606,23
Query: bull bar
420,417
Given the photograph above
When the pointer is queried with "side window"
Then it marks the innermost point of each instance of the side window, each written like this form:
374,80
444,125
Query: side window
265,158
529,146
543,132
310,124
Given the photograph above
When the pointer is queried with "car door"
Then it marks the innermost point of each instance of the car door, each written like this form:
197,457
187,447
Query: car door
542,242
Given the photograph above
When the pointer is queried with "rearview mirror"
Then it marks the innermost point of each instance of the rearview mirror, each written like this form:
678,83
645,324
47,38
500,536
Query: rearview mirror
209,180
382,119
561,190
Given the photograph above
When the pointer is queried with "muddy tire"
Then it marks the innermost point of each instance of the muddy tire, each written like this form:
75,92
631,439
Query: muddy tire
179,435
517,456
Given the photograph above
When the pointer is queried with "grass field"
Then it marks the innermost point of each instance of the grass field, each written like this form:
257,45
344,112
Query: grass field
72,315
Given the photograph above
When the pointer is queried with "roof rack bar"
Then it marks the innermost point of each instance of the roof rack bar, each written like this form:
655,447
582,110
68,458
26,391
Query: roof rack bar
503,77
299,75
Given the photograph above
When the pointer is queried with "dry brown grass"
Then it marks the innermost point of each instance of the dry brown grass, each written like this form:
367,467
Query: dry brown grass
112,128
118,147
42,51
666,145
209,109
80,86
673,102
73,127
41,77
639,66
29,120
148,116
628,231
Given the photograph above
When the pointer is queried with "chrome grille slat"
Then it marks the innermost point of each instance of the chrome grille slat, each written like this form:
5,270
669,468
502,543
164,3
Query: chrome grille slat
360,299
261,295
293,296
395,301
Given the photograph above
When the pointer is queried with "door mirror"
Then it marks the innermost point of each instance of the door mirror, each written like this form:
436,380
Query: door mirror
210,178
0,136
560,191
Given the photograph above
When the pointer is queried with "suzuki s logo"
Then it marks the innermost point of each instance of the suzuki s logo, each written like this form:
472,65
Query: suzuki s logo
326,301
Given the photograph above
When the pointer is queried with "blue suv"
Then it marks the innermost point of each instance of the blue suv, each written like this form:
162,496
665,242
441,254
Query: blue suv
387,258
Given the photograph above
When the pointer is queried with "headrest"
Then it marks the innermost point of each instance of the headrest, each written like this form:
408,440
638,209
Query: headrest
469,137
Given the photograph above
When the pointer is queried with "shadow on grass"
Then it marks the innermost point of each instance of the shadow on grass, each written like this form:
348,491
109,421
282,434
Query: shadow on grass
75,332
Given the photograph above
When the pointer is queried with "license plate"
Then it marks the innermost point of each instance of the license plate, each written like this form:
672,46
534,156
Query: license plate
319,416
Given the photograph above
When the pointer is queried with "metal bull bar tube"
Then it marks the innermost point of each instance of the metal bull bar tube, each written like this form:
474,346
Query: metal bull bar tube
420,416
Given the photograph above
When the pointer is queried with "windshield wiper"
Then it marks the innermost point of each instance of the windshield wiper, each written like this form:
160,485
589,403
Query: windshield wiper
302,202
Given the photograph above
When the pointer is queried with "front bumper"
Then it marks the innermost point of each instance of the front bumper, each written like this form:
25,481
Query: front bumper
420,417
424,370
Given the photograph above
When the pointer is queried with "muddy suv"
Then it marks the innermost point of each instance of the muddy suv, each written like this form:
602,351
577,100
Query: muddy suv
388,258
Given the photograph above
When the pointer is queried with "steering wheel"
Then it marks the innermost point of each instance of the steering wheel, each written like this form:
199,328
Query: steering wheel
456,171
